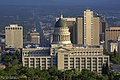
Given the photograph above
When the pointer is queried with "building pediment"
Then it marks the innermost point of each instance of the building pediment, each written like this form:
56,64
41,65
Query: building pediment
63,49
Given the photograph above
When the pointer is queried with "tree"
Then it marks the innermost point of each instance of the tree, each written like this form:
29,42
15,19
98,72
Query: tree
105,51
116,77
93,75
11,59
75,74
54,78
7,60
53,71
105,69
10,71
2,73
44,75
87,75
116,59
114,53
29,72
37,73
101,77
59,74
15,62
68,74
111,75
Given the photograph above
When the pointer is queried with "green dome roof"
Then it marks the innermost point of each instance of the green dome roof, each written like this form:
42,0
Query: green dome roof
61,23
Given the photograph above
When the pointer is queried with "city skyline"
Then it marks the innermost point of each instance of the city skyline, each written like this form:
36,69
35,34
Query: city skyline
70,44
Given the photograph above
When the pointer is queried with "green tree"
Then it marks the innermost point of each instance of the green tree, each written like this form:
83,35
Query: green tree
21,72
114,53
59,74
87,75
111,75
105,51
15,62
68,74
53,71
11,59
116,77
7,60
44,75
75,74
105,69
54,78
2,73
37,73
10,71
116,59
29,72
101,77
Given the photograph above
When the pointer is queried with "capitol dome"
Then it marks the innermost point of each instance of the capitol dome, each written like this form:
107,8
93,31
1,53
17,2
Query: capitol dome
61,34
61,23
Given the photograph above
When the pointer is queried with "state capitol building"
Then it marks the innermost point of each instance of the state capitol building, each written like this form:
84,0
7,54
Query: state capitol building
63,54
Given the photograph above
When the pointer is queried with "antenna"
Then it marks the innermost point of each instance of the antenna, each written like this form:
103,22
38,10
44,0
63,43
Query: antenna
61,16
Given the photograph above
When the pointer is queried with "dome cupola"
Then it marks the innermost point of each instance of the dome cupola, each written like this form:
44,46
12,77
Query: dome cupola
61,23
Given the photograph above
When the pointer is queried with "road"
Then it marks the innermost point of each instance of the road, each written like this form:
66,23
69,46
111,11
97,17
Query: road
43,40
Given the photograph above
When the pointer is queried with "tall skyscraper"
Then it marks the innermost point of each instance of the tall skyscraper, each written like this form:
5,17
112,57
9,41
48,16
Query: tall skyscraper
96,30
88,27
91,28
14,36
79,30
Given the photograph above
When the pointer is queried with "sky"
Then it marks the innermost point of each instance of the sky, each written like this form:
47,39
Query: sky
61,2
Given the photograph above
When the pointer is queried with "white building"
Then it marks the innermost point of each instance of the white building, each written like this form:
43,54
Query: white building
14,36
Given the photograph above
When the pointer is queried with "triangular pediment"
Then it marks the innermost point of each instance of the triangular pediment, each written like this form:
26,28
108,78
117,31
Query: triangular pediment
63,49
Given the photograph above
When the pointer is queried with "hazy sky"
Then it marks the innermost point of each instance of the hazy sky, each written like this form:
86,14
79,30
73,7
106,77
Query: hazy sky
61,2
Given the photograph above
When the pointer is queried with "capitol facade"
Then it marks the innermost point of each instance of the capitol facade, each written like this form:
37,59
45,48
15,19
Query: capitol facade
63,54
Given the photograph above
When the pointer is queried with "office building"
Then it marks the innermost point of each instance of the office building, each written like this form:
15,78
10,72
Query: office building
111,33
63,54
79,30
91,28
14,36
96,30
103,27
88,29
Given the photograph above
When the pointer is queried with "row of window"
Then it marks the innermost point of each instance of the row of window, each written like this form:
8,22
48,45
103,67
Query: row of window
13,28
37,65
